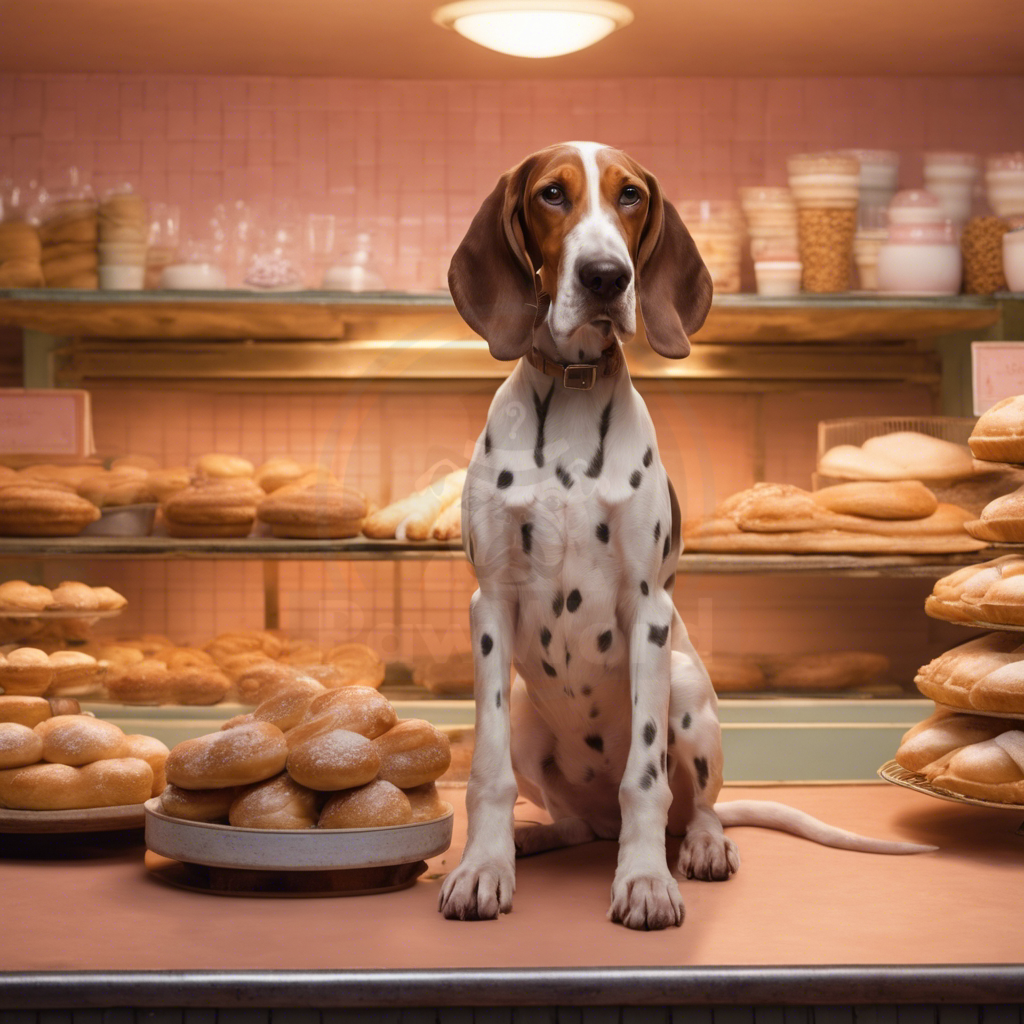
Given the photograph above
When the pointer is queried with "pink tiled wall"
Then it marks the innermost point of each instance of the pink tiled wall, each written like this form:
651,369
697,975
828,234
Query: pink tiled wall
410,160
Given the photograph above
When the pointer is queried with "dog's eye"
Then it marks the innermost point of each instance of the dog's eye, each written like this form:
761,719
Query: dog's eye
630,196
553,195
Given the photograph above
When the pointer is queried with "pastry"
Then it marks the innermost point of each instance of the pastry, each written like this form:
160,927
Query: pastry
907,499
735,673
1002,520
75,673
413,518
238,757
26,671
59,787
448,525
286,708
154,753
197,804
354,664
108,490
28,711
989,770
355,708
374,805
998,436
218,467
425,803
984,674
257,640
327,510
902,455
19,596
74,596
941,734
19,745
412,753
164,483
29,511
212,509
337,759
108,599
279,803
172,676
263,679
278,471
79,739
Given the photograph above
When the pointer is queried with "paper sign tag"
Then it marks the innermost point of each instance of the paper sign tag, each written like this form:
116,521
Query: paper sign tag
997,372
53,422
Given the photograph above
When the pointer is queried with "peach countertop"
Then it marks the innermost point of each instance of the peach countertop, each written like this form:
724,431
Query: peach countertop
792,904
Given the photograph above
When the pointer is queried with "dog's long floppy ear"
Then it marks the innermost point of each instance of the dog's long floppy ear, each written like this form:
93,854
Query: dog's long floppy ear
491,277
673,285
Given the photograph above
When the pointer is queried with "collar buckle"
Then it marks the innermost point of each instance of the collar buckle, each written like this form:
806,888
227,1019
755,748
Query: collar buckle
579,376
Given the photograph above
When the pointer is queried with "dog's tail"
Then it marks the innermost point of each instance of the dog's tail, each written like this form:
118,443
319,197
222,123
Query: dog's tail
769,814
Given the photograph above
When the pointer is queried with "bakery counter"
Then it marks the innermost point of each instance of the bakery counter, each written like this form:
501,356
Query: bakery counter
799,924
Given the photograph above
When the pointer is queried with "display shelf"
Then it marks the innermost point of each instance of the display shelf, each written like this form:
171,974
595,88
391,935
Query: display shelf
363,549
334,315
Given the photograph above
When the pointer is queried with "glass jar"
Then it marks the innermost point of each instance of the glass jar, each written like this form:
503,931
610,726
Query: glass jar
920,259
196,267
357,269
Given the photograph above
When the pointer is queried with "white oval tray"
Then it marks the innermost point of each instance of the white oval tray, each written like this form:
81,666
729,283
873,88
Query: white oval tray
313,849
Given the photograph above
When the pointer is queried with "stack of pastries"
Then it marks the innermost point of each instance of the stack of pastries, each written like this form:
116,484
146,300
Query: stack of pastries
54,758
989,592
25,611
433,513
309,757
862,517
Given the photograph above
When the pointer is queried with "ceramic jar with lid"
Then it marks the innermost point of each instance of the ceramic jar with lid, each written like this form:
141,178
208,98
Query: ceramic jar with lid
1004,182
1013,258
952,177
920,258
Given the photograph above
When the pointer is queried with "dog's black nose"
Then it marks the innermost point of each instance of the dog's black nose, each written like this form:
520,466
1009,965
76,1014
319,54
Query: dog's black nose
605,278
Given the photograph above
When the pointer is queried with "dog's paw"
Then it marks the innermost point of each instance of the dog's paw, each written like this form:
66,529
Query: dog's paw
646,901
477,891
709,856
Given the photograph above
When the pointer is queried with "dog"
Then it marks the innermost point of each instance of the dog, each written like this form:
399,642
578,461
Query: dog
573,529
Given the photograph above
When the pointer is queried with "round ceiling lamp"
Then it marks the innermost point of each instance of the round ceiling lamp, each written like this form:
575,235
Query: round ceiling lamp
534,28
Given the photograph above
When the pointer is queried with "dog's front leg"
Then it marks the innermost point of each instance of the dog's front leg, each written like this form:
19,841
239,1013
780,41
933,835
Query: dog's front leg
644,893
483,883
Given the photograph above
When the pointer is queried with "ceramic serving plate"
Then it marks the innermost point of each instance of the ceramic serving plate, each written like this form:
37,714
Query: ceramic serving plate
314,849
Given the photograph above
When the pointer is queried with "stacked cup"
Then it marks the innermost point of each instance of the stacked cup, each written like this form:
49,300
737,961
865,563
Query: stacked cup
123,234
717,230
771,225
952,177
1004,182
826,189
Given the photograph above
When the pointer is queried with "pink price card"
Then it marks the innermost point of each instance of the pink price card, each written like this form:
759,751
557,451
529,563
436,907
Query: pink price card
997,372
40,421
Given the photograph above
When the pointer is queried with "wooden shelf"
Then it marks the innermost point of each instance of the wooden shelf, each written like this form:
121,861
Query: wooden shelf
391,315
362,549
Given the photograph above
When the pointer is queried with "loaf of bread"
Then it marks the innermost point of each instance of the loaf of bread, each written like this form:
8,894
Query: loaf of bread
238,757
984,674
413,518
323,510
198,804
374,805
25,710
263,679
26,671
735,673
279,803
998,436
287,708
1002,520
353,664
451,676
412,753
279,471
987,592
77,740
836,670
19,596
333,760
425,802
358,709
941,734
19,745
154,753
220,507
61,787
902,455
30,511
217,466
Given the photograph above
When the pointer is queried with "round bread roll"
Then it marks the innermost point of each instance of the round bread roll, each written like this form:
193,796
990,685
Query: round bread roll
27,672
413,753
19,745
199,686
79,739
74,672
108,599
359,665
19,596
239,664
374,805
1002,520
256,641
286,708
61,787
164,483
324,510
998,436
425,803
218,467
239,757
28,711
154,753
355,708
147,682
212,508
277,803
278,471
197,804
338,759
261,680
903,499
109,490
27,511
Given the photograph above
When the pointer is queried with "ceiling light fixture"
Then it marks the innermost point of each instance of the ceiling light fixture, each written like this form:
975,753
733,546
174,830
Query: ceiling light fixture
534,28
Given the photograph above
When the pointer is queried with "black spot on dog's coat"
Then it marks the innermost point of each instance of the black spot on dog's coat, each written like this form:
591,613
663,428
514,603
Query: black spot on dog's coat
588,775
527,532
545,637
541,408
573,601
595,742
634,479
604,641
564,478
602,532
701,764
486,644
649,776
568,656
671,736
583,355
644,589
587,690
550,669
487,442
667,546
650,731
597,462
663,761
648,456
504,479
557,603
595,711
497,699
657,531
657,635
687,720
549,766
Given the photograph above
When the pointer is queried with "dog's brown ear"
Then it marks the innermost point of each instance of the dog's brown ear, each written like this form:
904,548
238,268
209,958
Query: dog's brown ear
491,277
673,286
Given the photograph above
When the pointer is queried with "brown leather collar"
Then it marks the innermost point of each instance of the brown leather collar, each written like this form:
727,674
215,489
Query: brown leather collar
578,376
